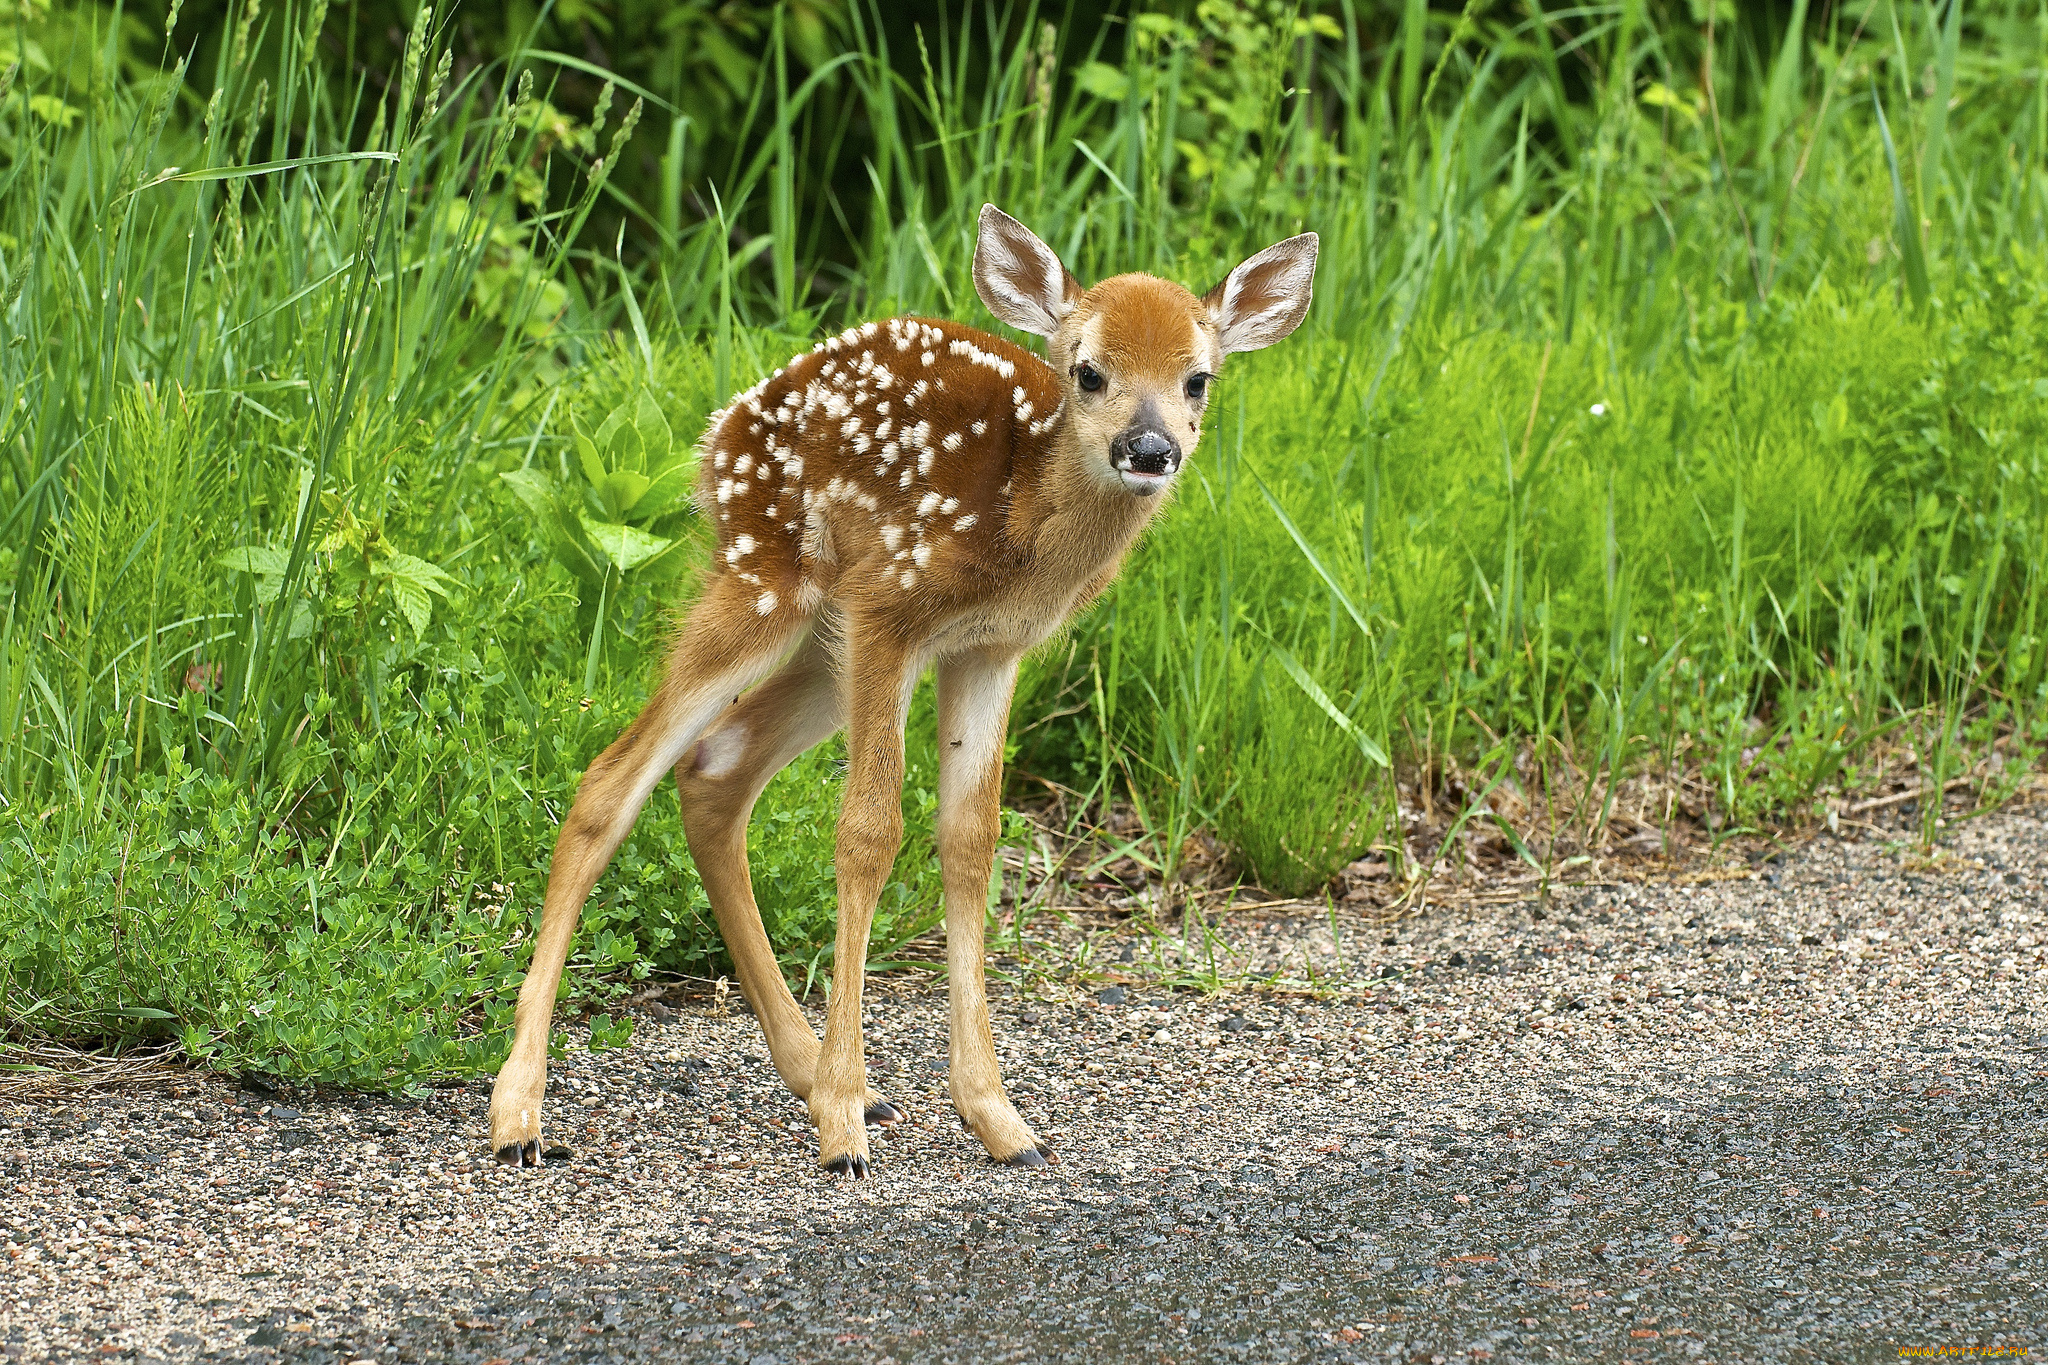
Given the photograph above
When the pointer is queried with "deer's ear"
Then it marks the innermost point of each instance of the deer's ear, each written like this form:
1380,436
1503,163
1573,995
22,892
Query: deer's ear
1264,299
1018,276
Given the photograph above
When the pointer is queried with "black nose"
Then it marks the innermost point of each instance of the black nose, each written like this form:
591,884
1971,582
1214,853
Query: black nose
1148,452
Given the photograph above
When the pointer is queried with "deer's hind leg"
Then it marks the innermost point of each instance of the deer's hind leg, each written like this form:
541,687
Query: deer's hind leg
725,646
719,781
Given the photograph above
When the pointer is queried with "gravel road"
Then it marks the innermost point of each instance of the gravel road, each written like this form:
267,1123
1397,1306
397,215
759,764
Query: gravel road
1798,1115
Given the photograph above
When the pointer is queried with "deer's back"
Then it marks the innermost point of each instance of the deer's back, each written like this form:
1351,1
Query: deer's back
882,461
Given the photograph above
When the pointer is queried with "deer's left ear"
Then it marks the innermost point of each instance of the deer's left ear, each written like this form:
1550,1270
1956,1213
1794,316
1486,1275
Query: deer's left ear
1264,299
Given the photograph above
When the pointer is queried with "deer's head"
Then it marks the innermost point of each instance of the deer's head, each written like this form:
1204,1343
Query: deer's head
1136,354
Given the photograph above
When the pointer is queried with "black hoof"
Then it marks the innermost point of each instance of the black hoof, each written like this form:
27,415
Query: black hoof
881,1114
1031,1156
517,1154
849,1165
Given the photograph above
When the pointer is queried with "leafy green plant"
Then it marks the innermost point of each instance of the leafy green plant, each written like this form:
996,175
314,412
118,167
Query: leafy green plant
358,566
635,481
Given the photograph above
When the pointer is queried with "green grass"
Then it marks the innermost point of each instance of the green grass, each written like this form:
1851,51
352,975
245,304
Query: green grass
1634,432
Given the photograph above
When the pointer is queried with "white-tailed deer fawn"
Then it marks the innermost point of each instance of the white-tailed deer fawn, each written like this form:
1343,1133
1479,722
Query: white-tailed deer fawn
909,493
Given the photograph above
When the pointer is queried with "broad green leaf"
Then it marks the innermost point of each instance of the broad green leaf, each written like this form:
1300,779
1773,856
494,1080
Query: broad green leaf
572,546
534,488
626,546
1103,81
620,490
589,459
612,435
665,563
656,440
669,486
587,452
413,569
413,602
624,451
254,559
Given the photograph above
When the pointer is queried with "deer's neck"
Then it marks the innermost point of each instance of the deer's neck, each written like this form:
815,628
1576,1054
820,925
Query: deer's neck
1070,520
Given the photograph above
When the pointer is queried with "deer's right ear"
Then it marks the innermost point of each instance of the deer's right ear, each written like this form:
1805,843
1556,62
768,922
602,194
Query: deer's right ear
1018,276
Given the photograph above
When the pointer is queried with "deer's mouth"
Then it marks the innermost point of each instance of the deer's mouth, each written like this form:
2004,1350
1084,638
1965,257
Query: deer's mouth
1145,458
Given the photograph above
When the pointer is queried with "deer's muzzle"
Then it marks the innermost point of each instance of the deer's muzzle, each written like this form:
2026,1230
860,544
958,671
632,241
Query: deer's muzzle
1145,456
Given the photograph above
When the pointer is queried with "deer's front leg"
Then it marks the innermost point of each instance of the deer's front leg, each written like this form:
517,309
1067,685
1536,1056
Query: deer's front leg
878,681
974,711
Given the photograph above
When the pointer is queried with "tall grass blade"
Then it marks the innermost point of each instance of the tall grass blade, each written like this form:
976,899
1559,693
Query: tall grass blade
1905,219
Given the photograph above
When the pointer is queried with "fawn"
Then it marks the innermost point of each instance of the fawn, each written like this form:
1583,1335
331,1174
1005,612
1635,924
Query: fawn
909,493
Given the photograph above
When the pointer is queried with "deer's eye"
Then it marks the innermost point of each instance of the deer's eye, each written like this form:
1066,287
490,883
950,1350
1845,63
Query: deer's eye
1198,386
1088,377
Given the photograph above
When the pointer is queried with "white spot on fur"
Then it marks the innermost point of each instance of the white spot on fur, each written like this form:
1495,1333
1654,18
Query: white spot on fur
892,536
965,523
925,504
817,542
978,427
722,751
953,440
765,603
